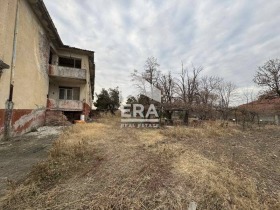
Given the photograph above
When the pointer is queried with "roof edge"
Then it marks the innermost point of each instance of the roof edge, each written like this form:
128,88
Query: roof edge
41,11
67,47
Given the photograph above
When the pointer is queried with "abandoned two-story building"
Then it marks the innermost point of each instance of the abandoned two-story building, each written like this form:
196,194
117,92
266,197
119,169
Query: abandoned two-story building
39,75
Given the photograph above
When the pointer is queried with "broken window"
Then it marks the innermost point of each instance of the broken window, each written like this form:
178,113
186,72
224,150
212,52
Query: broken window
69,93
70,62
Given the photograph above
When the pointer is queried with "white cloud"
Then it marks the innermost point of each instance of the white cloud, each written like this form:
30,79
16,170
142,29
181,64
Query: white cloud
229,38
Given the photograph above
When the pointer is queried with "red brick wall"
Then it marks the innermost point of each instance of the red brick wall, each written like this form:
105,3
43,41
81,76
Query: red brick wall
86,109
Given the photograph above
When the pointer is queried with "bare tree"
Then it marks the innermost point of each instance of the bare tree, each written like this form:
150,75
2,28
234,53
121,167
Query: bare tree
139,81
187,88
167,86
147,80
152,72
208,95
268,76
248,95
226,90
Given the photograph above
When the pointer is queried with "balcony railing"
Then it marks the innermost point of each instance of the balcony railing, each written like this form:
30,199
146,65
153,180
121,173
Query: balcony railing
67,72
65,105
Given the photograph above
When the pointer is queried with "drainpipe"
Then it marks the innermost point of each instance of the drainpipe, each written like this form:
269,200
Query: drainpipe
9,102
13,65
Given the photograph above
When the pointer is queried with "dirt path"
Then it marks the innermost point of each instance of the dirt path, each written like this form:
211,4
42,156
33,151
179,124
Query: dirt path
19,154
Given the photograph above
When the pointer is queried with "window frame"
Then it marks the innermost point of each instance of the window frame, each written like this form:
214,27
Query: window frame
71,58
69,91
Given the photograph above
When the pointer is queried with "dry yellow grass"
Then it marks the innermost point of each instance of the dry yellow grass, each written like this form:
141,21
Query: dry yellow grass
100,166
204,131
215,186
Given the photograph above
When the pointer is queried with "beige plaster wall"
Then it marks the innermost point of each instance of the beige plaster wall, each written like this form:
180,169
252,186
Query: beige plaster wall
32,51
7,22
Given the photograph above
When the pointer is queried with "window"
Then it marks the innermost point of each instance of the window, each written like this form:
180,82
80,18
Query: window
70,62
69,93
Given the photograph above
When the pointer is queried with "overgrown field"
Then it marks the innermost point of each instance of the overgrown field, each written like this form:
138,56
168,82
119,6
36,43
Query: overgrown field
100,166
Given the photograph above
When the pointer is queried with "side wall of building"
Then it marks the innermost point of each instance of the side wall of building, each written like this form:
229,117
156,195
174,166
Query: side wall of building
30,77
7,23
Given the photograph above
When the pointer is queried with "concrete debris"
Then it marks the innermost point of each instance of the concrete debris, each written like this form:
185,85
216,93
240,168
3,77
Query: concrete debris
47,131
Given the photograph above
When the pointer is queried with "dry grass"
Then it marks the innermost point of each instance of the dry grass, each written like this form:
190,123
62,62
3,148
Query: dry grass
215,129
216,187
100,166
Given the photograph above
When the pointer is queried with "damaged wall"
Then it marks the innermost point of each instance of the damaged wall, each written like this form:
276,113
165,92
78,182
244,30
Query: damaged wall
22,121
67,72
85,94
85,89
30,79
67,105
31,67
56,118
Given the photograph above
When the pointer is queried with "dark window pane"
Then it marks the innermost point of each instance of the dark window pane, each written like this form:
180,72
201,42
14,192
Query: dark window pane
67,62
76,94
69,94
78,64
61,93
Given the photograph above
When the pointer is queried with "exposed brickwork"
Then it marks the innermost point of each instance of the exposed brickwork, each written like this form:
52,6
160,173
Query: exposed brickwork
51,103
86,109
51,70
56,118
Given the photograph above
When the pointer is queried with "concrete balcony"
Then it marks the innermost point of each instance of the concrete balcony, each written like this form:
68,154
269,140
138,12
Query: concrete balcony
67,72
65,105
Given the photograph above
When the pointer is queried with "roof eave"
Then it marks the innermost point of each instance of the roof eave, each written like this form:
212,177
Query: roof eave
44,17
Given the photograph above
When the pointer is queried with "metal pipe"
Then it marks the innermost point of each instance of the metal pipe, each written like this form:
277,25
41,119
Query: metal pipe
13,63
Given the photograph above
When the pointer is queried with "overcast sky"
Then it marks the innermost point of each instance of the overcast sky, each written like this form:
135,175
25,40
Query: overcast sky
228,38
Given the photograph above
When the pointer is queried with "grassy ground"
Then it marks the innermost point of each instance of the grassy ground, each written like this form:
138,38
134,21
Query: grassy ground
100,166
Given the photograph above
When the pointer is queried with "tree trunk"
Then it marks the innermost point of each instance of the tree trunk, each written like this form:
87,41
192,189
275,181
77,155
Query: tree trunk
169,116
186,117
